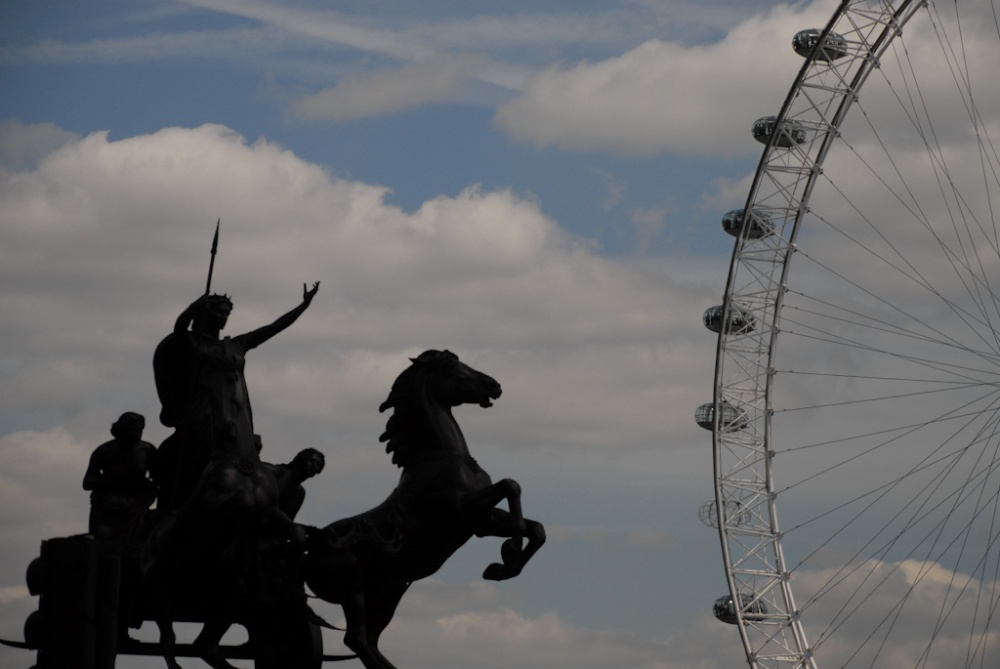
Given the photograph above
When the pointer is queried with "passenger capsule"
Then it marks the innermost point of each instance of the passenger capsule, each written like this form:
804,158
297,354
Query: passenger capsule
724,610
834,46
740,321
732,418
708,514
791,133
735,514
760,224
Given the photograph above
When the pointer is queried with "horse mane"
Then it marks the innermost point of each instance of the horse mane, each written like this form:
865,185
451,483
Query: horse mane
408,402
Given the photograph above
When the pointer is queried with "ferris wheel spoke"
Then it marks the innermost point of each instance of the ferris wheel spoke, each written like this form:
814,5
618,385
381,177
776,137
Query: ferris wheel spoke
874,428
869,561
972,321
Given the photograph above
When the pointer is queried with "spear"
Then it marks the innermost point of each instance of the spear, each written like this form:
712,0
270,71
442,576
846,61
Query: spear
211,264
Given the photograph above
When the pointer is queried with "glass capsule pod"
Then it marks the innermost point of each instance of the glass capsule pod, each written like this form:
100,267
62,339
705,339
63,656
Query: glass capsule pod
733,513
740,320
834,46
760,224
791,133
732,418
724,610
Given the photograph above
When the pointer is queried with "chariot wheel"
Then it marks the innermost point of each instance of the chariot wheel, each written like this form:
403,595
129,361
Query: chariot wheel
857,383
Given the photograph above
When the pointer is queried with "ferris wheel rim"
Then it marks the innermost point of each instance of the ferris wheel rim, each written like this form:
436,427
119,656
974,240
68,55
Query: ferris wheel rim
893,16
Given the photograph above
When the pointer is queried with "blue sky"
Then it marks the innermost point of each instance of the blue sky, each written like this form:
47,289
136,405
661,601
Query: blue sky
133,71
536,186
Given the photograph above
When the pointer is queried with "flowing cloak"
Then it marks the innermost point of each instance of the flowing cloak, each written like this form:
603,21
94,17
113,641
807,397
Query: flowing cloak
201,385
174,374
203,395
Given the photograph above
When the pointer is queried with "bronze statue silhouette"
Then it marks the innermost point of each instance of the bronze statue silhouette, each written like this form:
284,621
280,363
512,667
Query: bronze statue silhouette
203,392
366,563
222,546
284,630
118,476
306,464
202,561
225,556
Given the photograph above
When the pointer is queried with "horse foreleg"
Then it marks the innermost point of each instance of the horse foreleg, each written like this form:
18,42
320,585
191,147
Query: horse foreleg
501,524
487,498
510,523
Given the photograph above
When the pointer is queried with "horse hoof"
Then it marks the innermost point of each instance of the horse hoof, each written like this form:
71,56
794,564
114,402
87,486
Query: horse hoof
501,572
496,572
510,552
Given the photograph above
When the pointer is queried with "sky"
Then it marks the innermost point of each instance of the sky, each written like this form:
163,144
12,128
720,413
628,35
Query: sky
535,186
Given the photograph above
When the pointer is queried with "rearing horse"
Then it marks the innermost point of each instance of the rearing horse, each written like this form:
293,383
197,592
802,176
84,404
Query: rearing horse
366,563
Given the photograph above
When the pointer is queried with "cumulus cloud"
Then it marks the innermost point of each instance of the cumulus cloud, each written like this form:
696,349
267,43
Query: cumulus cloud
910,602
666,96
22,145
447,625
602,362
105,242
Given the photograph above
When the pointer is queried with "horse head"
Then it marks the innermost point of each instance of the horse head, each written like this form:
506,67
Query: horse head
422,398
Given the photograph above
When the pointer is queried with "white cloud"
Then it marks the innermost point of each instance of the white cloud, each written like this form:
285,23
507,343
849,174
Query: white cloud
105,242
22,145
235,44
131,218
602,362
331,27
354,49
666,96
437,627
12,593
911,602
385,91
409,34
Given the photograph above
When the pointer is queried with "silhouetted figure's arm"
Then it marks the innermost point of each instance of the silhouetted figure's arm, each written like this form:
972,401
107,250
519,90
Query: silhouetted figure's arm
261,335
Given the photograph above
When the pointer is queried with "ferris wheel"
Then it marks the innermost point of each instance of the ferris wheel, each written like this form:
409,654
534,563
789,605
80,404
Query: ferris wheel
856,408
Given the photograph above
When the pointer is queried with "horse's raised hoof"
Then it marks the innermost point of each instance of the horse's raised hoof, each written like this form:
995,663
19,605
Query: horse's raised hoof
511,552
496,572
501,572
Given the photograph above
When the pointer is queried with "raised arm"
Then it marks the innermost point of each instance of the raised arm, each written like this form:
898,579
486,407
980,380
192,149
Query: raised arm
261,335
187,316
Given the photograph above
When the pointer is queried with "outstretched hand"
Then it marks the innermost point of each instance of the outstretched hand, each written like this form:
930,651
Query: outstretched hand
308,294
